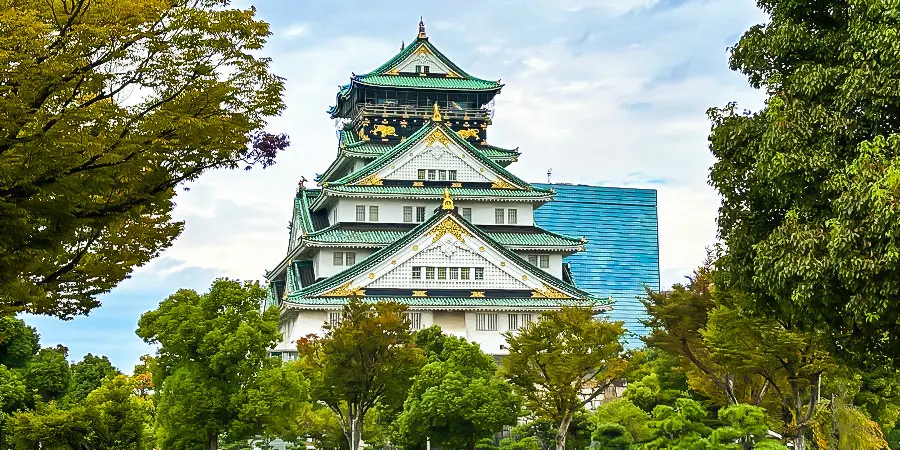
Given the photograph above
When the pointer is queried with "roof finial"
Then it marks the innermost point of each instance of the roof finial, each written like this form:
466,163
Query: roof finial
448,202
421,28
402,45
436,117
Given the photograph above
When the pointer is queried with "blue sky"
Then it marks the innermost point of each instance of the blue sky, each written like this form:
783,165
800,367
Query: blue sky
610,92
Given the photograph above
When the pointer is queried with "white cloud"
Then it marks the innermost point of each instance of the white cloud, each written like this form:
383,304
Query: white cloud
296,30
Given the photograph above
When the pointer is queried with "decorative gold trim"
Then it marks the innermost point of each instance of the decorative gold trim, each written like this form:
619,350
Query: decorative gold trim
436,117
362,135
477,294
447,204
436,136
524,277
371,180
345,290
422,50
371,275
420,294
393,261
500,183
469,133
452,74
384,130
418,184
415,248
458,185
393,71
502,263
548,292
480,249
449,226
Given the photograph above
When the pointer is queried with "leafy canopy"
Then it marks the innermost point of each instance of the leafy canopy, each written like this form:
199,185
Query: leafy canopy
106,107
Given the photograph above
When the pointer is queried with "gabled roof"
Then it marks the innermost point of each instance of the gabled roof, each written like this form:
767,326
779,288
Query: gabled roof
351,146
301,220
445,221
426,131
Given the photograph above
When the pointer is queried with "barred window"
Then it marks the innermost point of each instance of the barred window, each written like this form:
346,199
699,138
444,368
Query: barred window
338,259
499,215
442,273
334,318
451,175
479,273
454,273
512,216
485,322
545,261
350,258
360,213
513,321
432,174
417,273
373,214
407,213
420,213
429,273
533,260
421,174
442,175
415,320
467,214
464,273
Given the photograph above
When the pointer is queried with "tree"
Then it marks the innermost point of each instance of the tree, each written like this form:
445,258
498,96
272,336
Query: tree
107,107
364,361
562,362
111,417
48,375
621,412
211,346
456,400
809,216
18,342
87,375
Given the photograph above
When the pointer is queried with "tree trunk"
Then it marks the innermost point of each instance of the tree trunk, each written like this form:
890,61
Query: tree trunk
470,443
799,440
355,431
561,433
213,442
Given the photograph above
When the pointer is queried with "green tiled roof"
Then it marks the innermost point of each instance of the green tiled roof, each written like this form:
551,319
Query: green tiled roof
414,82
420,134
334,281
461,193
375,149
337,234
456,301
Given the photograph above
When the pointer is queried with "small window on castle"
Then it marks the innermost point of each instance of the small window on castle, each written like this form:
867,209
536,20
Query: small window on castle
442,273
350,258
429,273
334,318
417,273
499,215
360,213
479,273
425,69
463,273
420,213
338,259
418,69
373,214
432,174
533,260
407,213
467,214
512,216
545,262
451,175
415,320
454,273
421,174
442,175
485,322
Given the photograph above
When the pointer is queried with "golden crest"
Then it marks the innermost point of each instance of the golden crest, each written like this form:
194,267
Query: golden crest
449,226
448,202
371,180
548,292
420,293
452,74
418,184
393,71
345,290
456,185
384,130
477,294
500,183
436,136
423,50
469,133
436,116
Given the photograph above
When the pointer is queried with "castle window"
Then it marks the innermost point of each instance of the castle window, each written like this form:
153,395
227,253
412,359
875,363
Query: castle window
479,273
454,273
360,213
485,322
425,69
421,174
463,273
512,216
429,273
442,273
334,318
467,214
432,174
513,321
499,214
545,262
417,273
415,320
350,258
442,175
533,260
338,259
407,213
451,175
418,69
420,213
373,214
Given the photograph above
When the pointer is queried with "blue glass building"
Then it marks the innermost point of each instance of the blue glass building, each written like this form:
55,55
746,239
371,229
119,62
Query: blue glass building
622,253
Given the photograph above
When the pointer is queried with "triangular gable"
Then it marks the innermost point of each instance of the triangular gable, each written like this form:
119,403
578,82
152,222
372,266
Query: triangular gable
434,137
422,50
445,240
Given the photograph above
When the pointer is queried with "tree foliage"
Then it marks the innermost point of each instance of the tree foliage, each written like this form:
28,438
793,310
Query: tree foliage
809,217
18,342
365,361
87,375
106,107
563,361
457,399
213,347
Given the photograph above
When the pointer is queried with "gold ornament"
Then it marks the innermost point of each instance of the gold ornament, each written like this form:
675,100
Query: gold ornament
420,294
436,136
469,133
447,205
436,116
500,183
449,226
418,184
452,74
371,180
345,290
384,130
548,292
477,294
456,185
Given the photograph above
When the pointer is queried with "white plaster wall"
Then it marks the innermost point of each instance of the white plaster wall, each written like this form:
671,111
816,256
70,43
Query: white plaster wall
489,341
556,260
451,322
323,261
391,210
438,157
494,277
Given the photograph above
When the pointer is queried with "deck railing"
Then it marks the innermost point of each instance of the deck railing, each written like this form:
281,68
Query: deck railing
452,112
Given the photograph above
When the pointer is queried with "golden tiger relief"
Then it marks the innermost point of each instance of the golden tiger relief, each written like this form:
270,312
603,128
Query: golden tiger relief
384,130
467,133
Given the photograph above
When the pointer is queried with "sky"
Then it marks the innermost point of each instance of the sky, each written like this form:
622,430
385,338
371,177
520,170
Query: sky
604,92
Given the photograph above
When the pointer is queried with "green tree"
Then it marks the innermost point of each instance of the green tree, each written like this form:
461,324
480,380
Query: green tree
107,107
364,361
48,375
457,399
87,375
809,215
562,362
682,426
111,417
211,347
18,342
657,378
611,436
622,412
